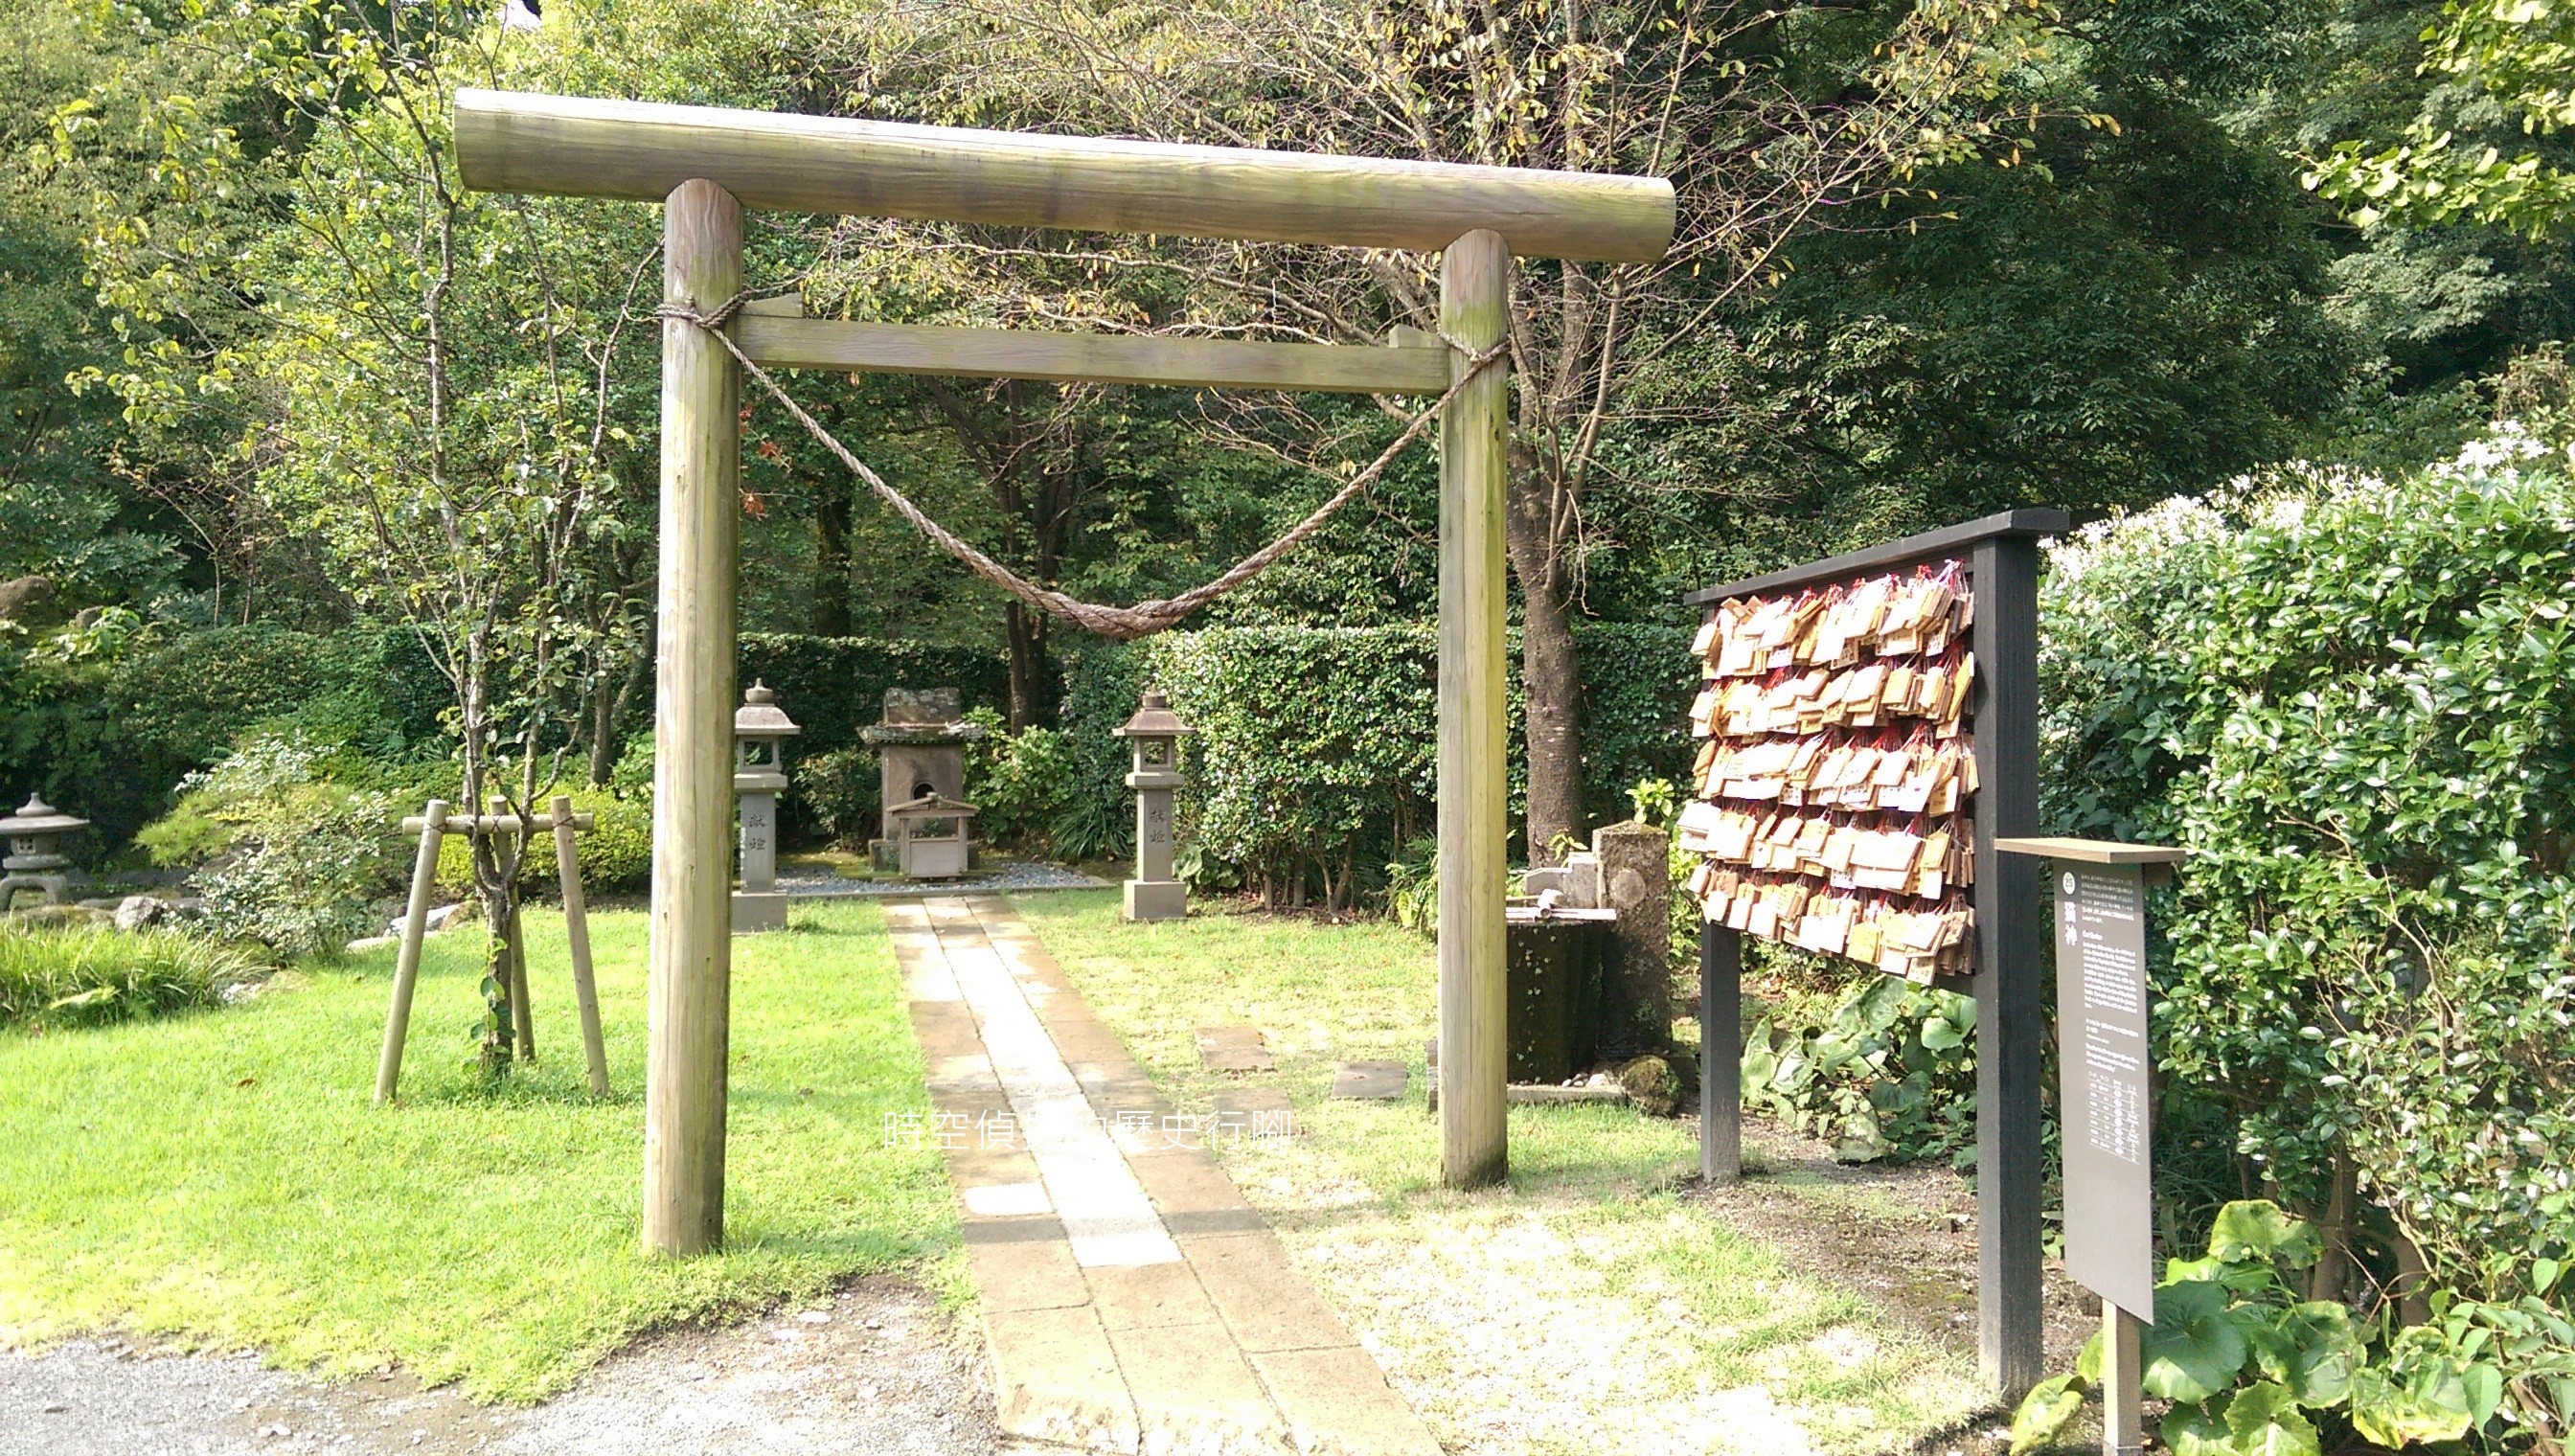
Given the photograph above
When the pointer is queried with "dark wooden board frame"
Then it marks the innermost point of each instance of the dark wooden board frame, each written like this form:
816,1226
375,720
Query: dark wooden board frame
2001,556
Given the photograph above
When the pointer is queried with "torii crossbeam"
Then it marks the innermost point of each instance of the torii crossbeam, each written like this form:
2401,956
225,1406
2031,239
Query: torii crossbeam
707,164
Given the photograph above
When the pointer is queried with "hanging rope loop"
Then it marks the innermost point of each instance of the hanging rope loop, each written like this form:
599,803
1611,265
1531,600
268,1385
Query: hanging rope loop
1121,623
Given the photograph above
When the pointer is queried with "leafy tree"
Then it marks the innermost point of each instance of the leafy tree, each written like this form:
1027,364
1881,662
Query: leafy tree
433,368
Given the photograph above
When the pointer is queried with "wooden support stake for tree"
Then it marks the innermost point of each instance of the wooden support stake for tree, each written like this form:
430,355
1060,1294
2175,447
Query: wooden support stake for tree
585,989
1475,798
692,946
424,880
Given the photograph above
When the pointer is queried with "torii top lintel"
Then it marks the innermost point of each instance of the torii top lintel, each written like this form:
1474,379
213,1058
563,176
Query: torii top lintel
581,147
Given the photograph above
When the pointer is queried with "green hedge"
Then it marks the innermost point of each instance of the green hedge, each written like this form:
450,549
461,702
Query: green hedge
106,737
1314,757
2351,702
834,686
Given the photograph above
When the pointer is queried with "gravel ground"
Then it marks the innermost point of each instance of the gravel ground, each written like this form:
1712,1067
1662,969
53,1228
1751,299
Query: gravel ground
876,1371
1017,874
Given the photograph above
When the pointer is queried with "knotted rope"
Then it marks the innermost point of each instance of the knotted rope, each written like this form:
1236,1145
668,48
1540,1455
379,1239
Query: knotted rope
1119,622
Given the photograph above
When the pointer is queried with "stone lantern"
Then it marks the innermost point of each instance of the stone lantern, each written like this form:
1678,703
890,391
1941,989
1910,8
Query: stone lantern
1155,734
32,862
760,734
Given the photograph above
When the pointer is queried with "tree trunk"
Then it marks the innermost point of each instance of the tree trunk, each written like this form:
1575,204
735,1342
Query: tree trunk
608,713
831,557
1027,633
1551,678
2333,1264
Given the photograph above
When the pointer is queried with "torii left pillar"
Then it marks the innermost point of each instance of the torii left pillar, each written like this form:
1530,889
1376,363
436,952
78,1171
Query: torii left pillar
692,956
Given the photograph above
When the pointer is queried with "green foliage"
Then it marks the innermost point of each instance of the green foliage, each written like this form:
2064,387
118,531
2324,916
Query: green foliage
840,791
70,977
1028,788
2253,1368
1890,1071
2348,699
1413,886
1313,760
614,853
2520,54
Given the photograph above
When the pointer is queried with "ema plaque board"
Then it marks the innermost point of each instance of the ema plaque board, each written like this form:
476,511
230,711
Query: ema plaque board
2102,1068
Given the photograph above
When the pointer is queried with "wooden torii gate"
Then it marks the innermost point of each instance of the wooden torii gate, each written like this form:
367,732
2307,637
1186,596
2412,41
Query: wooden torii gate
707,164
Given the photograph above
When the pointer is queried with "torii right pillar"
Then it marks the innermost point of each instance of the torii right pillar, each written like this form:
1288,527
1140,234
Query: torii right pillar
1475,798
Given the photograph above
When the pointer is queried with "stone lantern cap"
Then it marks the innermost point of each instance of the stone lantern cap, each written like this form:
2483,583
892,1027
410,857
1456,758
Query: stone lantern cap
760,717
1153,719
36,817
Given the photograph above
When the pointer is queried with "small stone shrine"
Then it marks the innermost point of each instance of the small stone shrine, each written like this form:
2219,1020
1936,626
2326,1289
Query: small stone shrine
1154,733
32,862
760,729
930,837
921,746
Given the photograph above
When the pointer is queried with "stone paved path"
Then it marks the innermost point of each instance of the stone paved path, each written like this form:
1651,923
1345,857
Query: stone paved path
1131,1300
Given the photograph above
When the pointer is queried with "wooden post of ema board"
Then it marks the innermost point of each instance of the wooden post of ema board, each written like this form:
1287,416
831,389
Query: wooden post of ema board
690,994
585,990
2011,1007
1720,1054
1474,296
424,880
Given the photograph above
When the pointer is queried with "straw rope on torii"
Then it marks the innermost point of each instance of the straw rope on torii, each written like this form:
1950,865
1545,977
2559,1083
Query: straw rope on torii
1119,622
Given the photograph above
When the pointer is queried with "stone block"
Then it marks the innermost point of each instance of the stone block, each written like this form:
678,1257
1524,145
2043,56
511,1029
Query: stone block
1233,1049
753,914
1056,1379
1338,1404
1156,899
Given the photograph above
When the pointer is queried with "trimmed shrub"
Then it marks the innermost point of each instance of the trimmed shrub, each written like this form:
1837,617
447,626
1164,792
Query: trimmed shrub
1314,757
2351,700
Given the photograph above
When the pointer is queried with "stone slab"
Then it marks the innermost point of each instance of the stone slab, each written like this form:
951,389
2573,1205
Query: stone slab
1156,899
1338,1404
1370,1081
1264,1302
1194,1393
1233,1049
1055,1378
1148,1296
1023,1265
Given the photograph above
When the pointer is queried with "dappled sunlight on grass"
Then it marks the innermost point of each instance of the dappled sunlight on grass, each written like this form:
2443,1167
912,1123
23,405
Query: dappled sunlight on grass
1581,1308
223,1179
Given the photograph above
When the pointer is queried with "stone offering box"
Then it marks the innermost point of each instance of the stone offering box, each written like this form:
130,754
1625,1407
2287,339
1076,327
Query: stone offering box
930,840
920,749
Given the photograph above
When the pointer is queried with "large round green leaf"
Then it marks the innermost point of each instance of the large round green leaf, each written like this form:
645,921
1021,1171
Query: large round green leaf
2417,1396
2044,1411
2255,1228
2195,1430
2264,1420
2311,1349
2193,1350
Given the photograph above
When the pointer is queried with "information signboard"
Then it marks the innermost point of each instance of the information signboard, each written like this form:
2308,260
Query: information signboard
2102,1075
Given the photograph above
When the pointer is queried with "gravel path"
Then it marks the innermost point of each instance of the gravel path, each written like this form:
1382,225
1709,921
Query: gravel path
1017,874
876,1371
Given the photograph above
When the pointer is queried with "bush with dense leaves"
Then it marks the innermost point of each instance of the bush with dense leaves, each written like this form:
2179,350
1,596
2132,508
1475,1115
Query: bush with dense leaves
1314,761
2353,701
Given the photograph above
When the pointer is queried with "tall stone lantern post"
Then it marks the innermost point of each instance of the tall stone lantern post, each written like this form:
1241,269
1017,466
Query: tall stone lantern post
1155,734
760,734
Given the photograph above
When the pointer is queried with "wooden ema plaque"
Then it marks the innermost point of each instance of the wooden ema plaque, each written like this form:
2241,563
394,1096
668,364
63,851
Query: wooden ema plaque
1868,731
1835,766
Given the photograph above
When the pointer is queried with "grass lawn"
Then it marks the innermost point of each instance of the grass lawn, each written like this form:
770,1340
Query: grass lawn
222,1179
1583,1308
